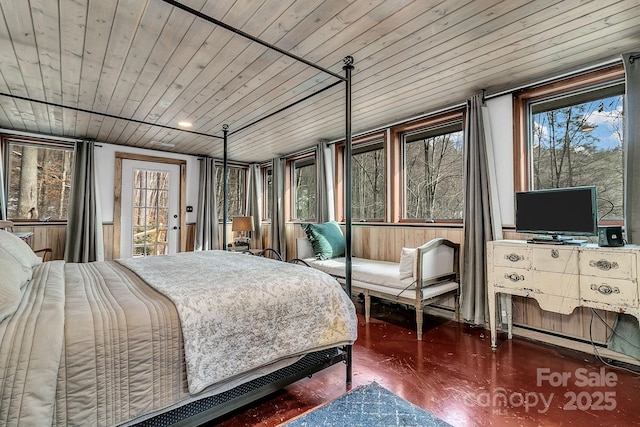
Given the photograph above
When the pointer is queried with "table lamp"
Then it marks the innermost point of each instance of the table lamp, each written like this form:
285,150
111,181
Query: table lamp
242,224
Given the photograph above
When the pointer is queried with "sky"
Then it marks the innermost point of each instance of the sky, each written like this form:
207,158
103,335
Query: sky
603,121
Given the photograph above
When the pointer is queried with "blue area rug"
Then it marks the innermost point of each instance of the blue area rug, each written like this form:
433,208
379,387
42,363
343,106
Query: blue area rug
368,406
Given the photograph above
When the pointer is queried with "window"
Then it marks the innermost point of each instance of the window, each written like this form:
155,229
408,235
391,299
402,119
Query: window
574,137
433,172
38,180
235,191
150,212
267,190
367,181
304,178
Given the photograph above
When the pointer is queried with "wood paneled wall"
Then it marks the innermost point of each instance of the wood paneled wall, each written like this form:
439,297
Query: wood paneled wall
383,242
47,236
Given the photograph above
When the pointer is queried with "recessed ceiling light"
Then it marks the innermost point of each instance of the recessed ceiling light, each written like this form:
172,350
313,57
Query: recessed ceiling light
163,143
184,124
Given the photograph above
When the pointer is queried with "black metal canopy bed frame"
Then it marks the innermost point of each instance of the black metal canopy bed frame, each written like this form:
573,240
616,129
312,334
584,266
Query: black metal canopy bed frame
213,407
198,410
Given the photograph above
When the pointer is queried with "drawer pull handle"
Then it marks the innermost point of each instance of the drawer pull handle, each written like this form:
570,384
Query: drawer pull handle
554,253
514,277
603,265
605,289
513,257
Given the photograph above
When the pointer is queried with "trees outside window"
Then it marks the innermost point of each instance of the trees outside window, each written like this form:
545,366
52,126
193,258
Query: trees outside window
38,180
367,182
577,140
236,186
304,179
150,213
433,171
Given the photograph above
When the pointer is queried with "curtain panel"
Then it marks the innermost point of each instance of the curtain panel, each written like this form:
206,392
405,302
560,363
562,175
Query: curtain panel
627,326
632,147
278,238
3,196
207,226
482,221
325,178
84,242
255,201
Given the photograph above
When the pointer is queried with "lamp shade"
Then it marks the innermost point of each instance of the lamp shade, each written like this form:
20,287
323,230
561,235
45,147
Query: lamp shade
242,223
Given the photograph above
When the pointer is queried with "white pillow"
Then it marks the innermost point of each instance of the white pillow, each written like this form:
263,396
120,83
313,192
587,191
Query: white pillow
304,248
23,273
19,249
10,281
408,266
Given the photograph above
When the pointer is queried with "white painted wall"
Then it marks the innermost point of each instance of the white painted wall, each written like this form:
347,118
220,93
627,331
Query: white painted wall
105,164
501,123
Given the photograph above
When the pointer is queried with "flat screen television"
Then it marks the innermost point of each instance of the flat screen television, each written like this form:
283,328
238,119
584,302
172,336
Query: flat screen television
571,211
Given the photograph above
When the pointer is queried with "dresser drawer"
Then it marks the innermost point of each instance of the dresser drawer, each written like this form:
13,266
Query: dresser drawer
558,284
515,256
608,264
609,291
555,259
513,278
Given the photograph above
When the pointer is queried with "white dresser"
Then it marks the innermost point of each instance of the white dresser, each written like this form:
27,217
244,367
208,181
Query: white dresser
562,277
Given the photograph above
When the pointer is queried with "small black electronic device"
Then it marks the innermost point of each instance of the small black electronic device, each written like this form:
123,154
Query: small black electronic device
610,236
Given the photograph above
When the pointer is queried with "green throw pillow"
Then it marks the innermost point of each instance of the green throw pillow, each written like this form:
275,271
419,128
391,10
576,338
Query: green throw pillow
326,239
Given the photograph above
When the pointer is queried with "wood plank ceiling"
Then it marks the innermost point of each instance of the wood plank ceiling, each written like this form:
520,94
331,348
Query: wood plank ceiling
156,64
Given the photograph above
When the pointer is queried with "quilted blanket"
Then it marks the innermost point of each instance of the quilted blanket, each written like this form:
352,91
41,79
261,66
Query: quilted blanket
31,343
239,312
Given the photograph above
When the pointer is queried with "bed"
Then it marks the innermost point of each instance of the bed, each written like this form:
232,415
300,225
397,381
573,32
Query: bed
159,340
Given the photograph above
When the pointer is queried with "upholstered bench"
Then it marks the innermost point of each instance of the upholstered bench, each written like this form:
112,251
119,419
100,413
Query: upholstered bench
434,267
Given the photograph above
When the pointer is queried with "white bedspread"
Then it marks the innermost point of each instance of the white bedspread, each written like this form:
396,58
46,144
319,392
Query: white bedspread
239,311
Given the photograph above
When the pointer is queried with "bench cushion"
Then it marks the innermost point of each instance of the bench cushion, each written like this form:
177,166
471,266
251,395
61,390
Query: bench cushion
430,292
383,273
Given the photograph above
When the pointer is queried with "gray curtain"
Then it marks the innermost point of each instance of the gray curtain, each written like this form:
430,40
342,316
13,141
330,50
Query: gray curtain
626,326
632,147
278,240
207,219
84,220
3,197
482,221
255,202
325,172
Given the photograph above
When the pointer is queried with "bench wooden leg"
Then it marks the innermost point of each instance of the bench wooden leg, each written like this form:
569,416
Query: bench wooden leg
367,306
419,321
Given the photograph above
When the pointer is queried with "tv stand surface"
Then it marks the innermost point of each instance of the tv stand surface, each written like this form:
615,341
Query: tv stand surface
556,240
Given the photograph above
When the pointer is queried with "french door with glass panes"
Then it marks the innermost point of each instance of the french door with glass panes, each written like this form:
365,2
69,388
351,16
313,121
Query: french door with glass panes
149,209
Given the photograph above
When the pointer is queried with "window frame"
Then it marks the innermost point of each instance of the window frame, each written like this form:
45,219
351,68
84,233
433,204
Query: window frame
245,171
398,134
522,160
371,139
265,170
6,140
291,191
